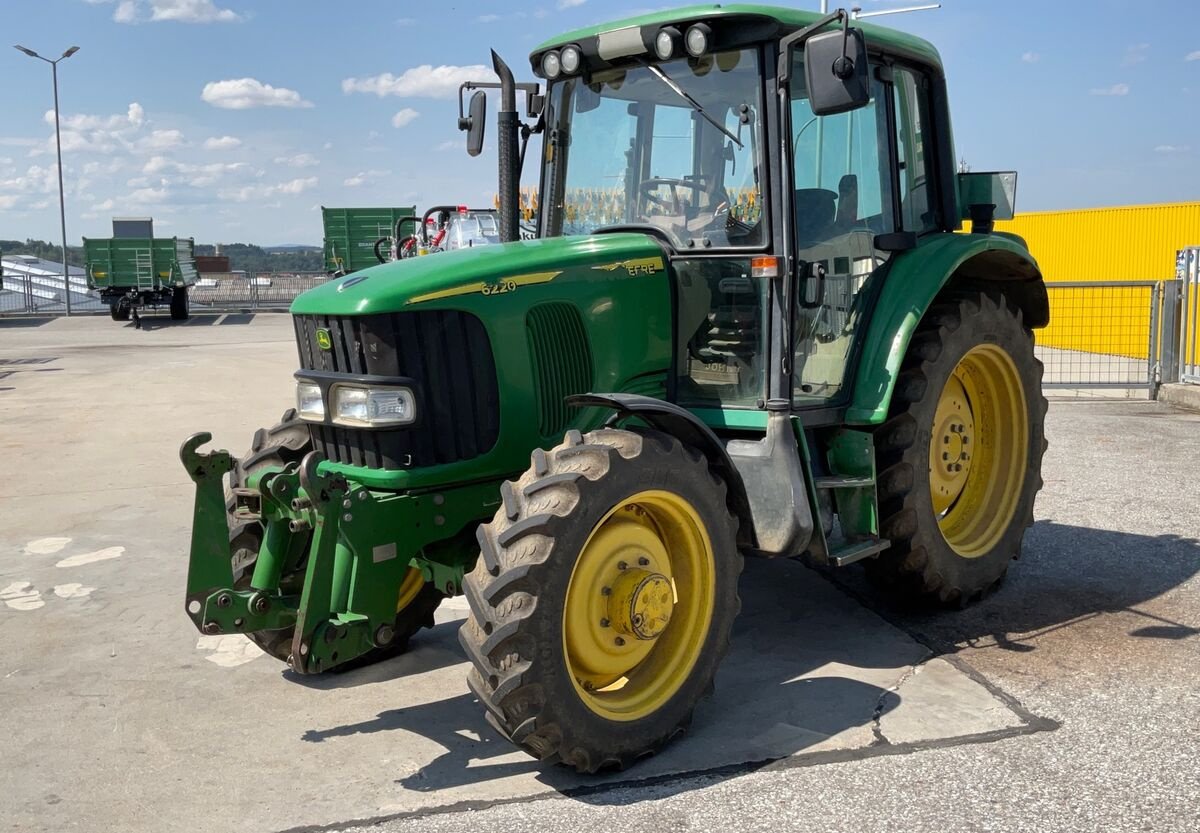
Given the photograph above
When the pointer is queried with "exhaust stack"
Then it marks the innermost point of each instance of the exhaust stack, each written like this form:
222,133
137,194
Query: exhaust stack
508,150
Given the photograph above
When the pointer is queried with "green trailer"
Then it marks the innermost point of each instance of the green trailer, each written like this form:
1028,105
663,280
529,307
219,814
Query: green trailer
131,273
354,236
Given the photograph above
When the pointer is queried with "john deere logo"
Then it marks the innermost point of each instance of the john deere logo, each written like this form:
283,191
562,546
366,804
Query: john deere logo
323,339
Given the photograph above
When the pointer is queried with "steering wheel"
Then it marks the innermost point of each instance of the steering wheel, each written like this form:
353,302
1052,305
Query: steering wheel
675,206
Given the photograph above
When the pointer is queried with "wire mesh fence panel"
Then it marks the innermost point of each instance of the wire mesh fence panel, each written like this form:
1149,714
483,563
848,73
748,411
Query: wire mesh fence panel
222,290
1101,334
41,294
279,290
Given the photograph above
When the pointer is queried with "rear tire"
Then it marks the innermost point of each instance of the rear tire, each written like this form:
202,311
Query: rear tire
960,455
557,676
119,312
180,306
274,447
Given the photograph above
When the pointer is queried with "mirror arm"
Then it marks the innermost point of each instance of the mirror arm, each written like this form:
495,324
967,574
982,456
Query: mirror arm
784,71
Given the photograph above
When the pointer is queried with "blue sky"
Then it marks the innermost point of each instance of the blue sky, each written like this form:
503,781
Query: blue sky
232,120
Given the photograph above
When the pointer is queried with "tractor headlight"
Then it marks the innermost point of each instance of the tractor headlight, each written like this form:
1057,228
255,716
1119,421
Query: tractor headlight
551,65
371,407
571,59
664,43
309,403
696,40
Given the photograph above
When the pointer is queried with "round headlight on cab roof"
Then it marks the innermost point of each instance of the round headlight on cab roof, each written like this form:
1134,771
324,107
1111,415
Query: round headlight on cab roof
697,39
571,59
665,42
551,65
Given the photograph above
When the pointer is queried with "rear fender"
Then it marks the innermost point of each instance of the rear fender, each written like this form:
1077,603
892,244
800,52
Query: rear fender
914,281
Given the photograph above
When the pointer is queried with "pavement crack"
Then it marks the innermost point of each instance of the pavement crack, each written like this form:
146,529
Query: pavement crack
882,704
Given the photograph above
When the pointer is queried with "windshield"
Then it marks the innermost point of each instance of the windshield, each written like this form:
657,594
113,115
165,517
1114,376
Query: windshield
675,146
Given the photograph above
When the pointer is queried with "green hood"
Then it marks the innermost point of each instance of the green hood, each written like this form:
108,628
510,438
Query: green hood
476,271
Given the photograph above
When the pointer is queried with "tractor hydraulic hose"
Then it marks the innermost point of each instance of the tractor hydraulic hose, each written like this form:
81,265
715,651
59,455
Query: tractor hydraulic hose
508,126
379,243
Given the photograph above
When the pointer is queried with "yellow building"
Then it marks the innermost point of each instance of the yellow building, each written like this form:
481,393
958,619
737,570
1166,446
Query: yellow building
1123,243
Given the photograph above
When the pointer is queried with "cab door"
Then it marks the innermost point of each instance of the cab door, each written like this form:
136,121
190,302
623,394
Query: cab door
842,197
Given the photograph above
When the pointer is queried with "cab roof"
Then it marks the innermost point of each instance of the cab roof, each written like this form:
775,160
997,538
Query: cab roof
786,21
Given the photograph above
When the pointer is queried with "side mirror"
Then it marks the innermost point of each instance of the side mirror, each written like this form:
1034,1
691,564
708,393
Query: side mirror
836,71
476,122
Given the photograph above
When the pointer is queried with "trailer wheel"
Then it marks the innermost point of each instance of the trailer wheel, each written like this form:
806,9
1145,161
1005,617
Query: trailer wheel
960,455
119,311
603,599
180,306
288,442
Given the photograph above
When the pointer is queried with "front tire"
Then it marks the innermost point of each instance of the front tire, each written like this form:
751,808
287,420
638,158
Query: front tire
603,599
960,455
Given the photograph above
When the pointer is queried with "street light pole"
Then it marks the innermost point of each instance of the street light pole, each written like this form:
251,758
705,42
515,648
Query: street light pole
62,202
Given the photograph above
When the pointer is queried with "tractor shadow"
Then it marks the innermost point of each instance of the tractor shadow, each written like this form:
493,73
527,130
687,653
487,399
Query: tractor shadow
1067,576
777,694
809,670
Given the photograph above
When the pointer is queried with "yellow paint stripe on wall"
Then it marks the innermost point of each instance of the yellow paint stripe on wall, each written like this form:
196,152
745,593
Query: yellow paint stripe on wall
1121,243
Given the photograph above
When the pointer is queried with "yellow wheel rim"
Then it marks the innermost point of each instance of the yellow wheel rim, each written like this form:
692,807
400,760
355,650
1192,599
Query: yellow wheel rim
638,605
978,450
409,588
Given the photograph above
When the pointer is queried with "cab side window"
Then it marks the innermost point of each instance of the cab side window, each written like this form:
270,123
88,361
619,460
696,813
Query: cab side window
914,133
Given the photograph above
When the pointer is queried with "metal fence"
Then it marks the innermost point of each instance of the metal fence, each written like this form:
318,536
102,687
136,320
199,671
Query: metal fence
1103,334
1188,312
1118,335
44,294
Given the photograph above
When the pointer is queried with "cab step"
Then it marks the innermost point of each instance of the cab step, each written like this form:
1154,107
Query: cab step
857,551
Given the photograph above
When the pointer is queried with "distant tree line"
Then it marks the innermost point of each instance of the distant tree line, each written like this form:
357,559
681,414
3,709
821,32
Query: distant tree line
250,258
42,249
242,256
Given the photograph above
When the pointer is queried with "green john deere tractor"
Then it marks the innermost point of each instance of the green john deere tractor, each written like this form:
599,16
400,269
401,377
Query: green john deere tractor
747,326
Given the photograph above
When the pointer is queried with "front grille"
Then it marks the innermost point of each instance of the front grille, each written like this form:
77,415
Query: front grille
448,357
562,362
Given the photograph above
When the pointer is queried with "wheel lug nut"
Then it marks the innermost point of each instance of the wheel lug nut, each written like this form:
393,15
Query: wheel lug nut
945,455
605,591
619,641
643,561
604,623
621,565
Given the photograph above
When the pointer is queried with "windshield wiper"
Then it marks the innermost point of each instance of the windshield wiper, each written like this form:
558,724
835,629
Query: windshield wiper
679,91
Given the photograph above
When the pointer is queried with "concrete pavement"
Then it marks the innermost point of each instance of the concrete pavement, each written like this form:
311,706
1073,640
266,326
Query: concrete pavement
829,712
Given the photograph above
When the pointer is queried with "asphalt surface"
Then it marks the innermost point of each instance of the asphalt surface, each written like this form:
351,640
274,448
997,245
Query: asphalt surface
1067,701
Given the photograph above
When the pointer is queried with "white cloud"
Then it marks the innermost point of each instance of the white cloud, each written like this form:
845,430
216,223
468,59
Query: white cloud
135,116
425,81
1134,54
1030,57
160,140
177,11
222,143
1172,149
404,117
244,93
300,160
1193,56
126,12
1115,89
363,177
403,22
570,4
7,201
250,193
487,18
